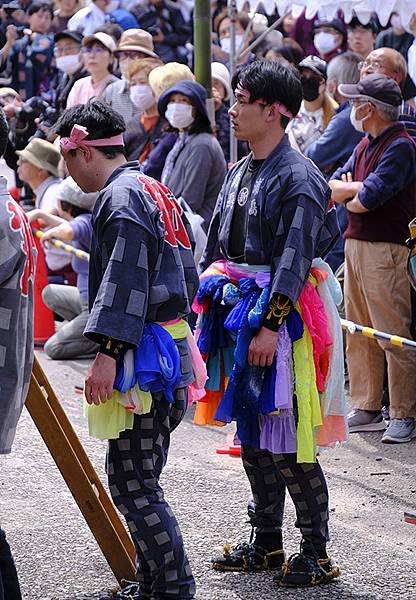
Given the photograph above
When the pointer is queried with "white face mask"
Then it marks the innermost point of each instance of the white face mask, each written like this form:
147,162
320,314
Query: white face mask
179,115
68,64
325,42
358,124
142,96
225,43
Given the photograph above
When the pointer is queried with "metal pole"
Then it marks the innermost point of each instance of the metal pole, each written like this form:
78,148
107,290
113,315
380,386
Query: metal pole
261,37
202,43
232,13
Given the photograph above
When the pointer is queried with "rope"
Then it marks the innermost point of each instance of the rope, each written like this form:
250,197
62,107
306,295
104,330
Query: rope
66,247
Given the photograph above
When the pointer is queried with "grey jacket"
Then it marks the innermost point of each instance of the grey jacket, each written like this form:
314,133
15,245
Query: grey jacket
198,174
17,271
117,95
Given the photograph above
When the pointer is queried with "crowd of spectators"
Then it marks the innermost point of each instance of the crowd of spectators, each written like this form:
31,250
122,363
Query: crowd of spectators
138,57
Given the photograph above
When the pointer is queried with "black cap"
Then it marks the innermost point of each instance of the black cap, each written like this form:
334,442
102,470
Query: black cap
335,24
315,64
74,35
375,86
372,24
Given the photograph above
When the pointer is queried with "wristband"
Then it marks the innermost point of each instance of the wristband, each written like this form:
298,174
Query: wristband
279,307
113,348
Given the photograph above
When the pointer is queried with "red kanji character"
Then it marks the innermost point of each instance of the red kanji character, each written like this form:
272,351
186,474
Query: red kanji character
19,223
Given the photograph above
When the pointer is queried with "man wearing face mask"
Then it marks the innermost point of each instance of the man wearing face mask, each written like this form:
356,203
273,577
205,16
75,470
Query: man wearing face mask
378,187
67,54
134,44
317,107
329,38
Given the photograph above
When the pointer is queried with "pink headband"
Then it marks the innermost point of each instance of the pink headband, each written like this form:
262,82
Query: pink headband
283,110
77,139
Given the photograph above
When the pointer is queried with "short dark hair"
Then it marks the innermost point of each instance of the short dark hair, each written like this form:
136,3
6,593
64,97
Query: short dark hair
4,133
38,7
272,82
101,121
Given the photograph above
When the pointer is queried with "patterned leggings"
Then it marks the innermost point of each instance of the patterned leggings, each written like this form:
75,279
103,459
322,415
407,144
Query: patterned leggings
269,475
134,464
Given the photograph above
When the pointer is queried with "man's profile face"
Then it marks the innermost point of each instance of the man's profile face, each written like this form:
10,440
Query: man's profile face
247,118
79,169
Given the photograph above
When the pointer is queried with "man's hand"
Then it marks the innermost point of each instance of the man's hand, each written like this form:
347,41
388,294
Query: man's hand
100,378
262,348
345,189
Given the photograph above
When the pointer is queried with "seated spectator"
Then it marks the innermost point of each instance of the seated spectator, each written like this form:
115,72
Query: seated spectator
161,79
144,131
73,225
329,38
66,9
87,20
195,167
287,27
361,38
168,28
38,167
395,36
317,108
70,65
333,148
97,51
30,58
134,44
222,24
378,187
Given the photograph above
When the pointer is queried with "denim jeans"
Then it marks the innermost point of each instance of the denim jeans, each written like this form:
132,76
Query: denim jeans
9,583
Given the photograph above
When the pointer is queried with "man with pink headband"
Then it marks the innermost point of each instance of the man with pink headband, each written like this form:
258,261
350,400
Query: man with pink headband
142,280
262,279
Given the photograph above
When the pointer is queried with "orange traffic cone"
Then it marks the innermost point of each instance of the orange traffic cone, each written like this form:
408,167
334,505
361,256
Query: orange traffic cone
44,324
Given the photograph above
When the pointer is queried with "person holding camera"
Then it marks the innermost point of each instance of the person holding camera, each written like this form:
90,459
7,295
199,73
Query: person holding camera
29,60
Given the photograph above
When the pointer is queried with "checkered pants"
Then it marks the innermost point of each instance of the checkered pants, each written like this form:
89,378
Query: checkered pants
269,475
134,464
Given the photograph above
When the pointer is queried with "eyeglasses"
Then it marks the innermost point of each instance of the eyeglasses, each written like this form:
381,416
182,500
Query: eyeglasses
375,64
94,50
128,54
66,50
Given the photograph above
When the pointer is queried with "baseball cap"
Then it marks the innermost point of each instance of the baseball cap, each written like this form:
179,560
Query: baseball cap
376,87
67,33
315,64
335,24
104,39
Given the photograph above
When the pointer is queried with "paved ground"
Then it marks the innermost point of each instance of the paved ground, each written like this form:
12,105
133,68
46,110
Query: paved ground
58,559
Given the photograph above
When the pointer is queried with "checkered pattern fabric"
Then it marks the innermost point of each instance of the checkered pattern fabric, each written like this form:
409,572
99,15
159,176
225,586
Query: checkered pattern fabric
134,464
269,474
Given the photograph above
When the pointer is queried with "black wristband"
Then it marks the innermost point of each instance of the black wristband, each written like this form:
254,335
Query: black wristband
279,307
113,348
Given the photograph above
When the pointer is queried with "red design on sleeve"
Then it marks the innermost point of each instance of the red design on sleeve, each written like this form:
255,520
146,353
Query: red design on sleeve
170,211
19,224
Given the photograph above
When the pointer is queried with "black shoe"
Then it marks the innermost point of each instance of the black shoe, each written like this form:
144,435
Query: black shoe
249,557
129,591
302,570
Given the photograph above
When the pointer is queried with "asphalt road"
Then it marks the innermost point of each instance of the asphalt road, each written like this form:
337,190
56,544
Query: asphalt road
58,559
